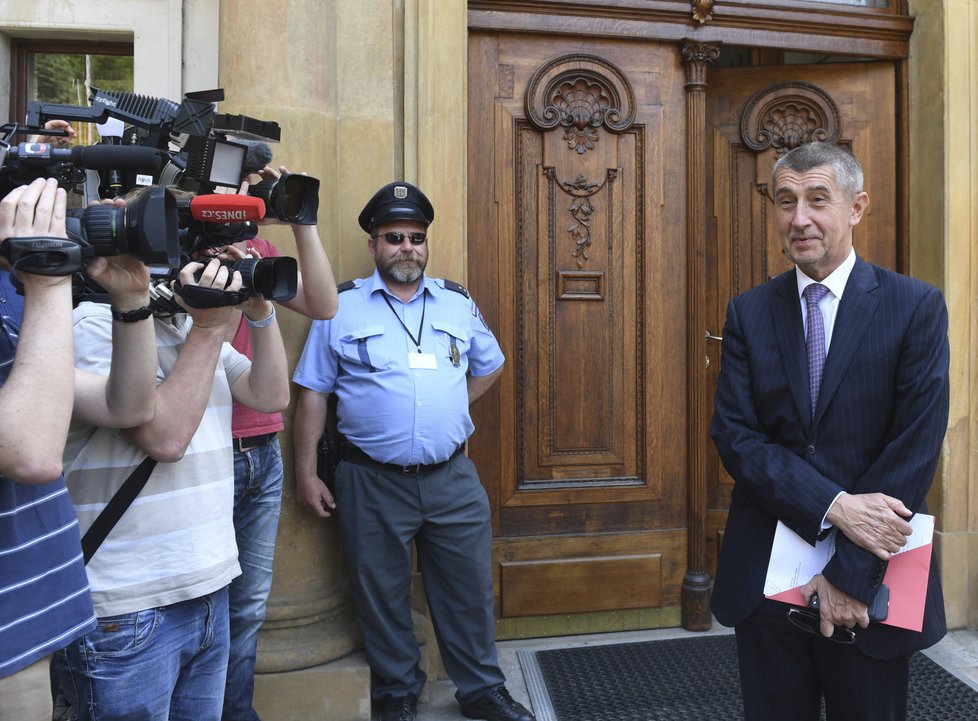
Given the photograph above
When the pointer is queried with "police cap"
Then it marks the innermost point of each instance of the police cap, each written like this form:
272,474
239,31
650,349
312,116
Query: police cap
396,201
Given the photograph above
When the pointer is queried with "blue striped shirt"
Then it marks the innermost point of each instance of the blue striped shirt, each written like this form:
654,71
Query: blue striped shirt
44,598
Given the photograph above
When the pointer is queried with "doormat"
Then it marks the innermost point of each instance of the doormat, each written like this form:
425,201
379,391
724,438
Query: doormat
689,678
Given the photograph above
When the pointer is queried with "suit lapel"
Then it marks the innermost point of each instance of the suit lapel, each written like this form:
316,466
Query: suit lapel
790,337
856,310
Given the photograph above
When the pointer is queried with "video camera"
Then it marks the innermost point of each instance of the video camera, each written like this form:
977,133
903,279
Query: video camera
187,146
269,278
145,227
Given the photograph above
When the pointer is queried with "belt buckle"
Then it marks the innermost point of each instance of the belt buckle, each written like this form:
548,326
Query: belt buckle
411,470
242,448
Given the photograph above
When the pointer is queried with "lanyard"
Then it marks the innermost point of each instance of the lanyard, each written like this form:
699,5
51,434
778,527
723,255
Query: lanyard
424,302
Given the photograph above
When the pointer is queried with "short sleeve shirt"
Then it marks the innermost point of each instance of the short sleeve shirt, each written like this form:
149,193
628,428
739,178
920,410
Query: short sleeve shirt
44,596
398,402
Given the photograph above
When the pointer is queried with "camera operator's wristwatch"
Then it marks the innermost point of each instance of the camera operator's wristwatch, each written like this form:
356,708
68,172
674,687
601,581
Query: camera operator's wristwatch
132,316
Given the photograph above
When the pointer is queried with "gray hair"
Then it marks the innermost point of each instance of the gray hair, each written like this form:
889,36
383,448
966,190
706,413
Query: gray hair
848,171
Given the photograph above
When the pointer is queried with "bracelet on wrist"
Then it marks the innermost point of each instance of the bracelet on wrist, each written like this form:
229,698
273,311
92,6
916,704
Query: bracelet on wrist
261,323
132,316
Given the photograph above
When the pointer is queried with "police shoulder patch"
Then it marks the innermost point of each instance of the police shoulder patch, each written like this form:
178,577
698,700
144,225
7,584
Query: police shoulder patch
457,287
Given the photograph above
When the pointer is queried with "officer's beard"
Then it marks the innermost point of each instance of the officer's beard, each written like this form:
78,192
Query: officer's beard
404,267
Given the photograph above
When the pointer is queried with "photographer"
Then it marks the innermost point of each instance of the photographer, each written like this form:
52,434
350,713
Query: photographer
258,471
159,581
44,598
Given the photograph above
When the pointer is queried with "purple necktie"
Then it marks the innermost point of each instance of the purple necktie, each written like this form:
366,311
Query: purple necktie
815,339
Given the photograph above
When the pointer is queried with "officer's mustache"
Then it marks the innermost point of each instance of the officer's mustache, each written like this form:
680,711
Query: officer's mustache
407,255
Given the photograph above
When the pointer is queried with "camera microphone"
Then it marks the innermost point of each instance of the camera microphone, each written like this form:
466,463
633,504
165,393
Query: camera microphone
225,208
257,157
94,157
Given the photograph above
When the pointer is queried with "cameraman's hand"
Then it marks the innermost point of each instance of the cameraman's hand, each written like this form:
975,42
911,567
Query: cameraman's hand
59,141
255,308
232,252
125,278
35,210
214,275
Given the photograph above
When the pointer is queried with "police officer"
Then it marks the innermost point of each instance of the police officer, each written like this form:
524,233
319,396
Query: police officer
406,354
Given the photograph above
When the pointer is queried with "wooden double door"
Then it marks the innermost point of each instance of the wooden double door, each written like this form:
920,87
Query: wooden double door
617,198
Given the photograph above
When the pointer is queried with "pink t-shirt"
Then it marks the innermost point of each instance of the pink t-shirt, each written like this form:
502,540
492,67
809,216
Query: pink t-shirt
245,421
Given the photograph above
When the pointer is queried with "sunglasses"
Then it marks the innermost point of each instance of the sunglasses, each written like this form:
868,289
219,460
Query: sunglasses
398,238
809,621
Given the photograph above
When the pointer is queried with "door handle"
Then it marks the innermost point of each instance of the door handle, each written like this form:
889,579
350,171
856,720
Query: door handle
710,336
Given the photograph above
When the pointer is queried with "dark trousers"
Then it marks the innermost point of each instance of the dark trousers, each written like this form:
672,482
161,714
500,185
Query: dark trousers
785,672
445,514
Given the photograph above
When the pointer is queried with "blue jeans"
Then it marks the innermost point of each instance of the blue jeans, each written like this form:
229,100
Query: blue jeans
257,501
161,664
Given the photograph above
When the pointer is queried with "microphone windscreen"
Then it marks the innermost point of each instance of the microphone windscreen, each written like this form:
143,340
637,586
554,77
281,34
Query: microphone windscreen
258,156
225,208
118,157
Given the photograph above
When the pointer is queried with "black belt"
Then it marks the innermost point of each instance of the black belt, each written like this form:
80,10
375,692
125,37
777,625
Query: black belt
352,454
249,442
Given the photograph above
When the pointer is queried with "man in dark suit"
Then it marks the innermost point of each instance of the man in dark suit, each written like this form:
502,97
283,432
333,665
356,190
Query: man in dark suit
830,412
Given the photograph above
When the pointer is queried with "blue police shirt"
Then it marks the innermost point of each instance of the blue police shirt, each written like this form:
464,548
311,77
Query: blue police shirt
394,412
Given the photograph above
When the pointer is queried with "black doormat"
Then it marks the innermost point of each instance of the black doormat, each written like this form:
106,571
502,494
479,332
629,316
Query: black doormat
689,679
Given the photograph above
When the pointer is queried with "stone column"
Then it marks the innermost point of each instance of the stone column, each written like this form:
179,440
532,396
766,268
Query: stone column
365,91
943,235
325,71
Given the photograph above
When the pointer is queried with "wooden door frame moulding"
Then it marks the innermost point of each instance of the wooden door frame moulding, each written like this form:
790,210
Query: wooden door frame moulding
832,29
695,602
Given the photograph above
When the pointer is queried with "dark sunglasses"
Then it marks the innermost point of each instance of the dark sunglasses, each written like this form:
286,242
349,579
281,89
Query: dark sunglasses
398,238
809,621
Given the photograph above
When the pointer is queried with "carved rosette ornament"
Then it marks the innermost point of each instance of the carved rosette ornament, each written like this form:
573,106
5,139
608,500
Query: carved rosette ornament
785,115
581,93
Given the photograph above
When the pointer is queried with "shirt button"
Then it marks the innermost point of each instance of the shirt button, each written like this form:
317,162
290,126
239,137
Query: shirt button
811,450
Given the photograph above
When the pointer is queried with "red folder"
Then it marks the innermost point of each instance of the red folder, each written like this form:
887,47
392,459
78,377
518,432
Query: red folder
906,573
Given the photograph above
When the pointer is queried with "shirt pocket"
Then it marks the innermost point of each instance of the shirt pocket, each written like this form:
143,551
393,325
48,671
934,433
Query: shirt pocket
452,343
364,346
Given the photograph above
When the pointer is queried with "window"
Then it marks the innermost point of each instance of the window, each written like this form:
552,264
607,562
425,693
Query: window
60,72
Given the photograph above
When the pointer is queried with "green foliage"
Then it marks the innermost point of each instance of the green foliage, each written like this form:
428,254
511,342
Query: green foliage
61,78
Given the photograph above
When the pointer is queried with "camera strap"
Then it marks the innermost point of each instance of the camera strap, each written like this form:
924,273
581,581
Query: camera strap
43,255
198,297
116,506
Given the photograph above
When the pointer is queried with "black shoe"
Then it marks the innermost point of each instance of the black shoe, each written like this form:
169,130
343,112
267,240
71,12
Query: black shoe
497,705
398,708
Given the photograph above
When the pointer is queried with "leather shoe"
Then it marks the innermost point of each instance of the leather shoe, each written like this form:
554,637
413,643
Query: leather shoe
497,705
398,708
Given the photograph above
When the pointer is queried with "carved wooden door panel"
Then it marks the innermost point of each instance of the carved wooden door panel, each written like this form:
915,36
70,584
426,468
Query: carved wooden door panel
753,115
576,243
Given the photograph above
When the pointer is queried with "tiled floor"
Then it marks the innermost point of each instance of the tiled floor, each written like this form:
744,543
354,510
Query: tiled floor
958,653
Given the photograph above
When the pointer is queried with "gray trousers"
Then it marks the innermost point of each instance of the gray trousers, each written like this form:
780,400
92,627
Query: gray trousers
445,512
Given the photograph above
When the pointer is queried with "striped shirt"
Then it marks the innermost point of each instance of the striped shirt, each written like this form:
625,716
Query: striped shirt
176,542
44,597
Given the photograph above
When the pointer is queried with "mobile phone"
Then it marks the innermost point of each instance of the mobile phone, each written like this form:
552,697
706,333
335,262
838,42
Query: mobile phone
878,609
880,606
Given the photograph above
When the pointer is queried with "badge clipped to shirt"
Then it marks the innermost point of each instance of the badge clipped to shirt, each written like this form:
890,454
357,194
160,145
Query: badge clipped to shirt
422,361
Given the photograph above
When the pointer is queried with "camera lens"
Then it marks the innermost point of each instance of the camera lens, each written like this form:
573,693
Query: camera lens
292,198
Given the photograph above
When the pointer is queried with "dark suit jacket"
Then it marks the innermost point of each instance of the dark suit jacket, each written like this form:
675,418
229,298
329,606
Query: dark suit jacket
879,425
